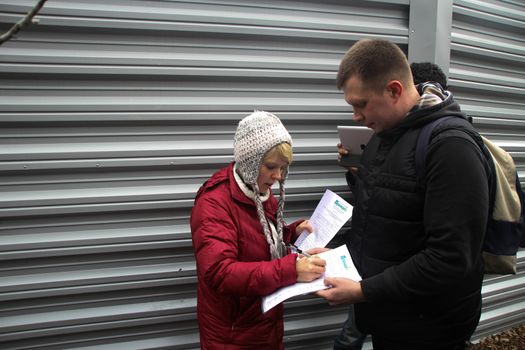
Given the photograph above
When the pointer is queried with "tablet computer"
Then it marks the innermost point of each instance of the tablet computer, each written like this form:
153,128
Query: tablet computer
353,138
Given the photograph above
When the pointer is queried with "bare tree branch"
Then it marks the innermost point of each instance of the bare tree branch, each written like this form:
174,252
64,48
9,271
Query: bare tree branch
22,23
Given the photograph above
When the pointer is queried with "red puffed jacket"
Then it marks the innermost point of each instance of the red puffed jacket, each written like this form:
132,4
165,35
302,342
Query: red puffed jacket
234,268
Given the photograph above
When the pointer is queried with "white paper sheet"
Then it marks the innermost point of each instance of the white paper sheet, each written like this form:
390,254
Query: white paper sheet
338,264
329,216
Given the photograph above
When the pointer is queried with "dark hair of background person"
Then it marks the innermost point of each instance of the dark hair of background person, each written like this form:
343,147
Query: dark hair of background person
427,71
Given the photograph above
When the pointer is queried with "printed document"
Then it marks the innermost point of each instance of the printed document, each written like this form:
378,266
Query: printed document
329,216
338,264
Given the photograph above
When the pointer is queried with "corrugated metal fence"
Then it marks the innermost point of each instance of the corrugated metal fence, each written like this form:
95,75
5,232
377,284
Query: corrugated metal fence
112,113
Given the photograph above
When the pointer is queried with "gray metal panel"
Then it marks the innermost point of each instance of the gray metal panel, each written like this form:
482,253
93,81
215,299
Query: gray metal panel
487,75
112,113
429,39
488,78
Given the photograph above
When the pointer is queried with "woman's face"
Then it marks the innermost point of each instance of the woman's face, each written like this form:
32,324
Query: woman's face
271,171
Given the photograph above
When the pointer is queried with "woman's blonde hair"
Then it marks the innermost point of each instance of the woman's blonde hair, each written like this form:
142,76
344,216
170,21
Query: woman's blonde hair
283,150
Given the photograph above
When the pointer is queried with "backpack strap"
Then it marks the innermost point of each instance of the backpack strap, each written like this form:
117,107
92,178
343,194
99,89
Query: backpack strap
423,140
521,193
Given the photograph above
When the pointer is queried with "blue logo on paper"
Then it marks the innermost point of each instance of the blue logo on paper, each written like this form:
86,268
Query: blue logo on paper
344,208
343,260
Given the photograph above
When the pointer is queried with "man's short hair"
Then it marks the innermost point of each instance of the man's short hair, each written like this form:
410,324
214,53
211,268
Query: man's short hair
428,71
375,62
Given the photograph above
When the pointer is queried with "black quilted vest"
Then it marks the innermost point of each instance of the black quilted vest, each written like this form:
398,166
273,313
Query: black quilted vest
390,199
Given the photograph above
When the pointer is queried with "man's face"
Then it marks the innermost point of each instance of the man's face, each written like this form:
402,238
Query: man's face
372,109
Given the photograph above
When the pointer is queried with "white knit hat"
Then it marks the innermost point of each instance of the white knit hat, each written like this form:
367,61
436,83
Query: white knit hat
257,134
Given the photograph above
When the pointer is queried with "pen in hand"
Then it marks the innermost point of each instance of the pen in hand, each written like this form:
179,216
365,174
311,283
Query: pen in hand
297,250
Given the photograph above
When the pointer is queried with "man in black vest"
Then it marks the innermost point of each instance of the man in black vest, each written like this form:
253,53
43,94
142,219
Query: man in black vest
417,244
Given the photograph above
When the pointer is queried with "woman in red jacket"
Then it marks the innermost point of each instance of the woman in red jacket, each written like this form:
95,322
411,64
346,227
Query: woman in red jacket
240,241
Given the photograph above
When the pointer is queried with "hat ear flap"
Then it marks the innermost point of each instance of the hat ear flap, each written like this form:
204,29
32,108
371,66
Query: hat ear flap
285,173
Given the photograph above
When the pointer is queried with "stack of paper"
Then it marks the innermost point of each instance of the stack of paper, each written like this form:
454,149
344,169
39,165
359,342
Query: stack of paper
338,264
329,216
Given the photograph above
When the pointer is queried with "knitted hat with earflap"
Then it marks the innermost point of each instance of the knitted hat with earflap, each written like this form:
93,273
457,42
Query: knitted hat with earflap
257,134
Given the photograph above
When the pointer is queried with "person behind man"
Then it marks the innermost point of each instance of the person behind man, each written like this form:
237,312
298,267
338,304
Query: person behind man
240,241
416,245
428,71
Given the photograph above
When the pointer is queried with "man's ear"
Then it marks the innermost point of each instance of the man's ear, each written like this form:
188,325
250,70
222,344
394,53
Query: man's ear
394,89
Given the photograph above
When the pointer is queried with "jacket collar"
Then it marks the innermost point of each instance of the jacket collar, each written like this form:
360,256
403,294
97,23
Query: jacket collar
226,175
245,188
433,104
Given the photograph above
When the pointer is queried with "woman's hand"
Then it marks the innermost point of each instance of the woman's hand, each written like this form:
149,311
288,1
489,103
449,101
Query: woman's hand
305,225
309,268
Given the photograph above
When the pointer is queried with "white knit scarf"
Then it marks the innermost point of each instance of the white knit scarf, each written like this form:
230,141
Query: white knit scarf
274,236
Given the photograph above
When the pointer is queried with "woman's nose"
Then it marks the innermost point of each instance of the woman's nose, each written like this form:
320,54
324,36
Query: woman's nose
277,174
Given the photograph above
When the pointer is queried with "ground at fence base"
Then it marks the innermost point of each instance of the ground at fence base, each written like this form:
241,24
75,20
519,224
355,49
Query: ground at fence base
512,339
